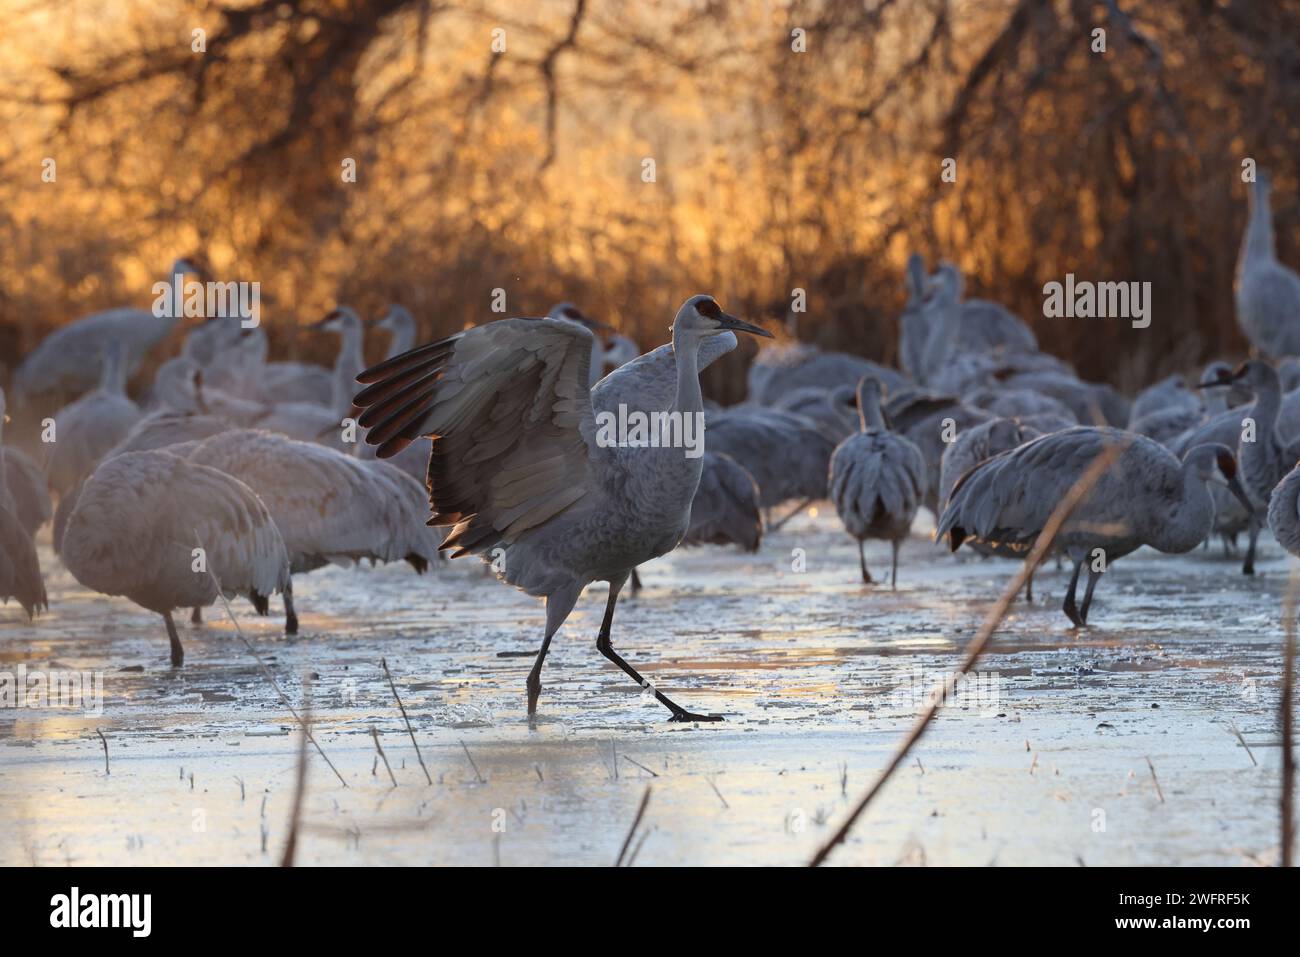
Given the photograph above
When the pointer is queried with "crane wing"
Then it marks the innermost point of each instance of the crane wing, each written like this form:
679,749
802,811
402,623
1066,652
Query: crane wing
1008,498
508,407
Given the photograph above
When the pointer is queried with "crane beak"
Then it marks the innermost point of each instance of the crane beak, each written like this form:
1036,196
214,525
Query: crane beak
740,325
1221,379
1235,488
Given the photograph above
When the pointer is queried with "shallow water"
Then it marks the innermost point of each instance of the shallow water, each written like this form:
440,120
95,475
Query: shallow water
1044,761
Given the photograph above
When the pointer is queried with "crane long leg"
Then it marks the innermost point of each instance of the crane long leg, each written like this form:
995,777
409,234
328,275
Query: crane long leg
798,508
862,563
1070,609
1248,566
606,648
178,653
1094,576
893,568
558,606
290,616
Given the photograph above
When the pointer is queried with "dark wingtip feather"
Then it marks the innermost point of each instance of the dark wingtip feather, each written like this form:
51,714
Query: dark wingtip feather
261,604
418,562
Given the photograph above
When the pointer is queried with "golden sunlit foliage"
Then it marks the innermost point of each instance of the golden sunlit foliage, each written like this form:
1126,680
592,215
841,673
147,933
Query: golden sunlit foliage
524,168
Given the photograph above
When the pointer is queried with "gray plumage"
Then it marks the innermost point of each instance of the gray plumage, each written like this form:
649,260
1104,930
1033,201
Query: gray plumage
66,363
329,508
930,422
523,472
780,369
28,493
90,426
786,454
1170,392
139,518
1090,402
1267,292
1231,517
978,444
1012,403
834,410
877,480
968,371
725,510
1284,512
914,323
1268,457
20,569
1145,497
973,326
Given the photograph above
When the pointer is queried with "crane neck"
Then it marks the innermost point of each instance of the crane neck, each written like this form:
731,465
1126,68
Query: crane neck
1268,402
686,354
1192,515
403,340
1257,244
112,374
869,415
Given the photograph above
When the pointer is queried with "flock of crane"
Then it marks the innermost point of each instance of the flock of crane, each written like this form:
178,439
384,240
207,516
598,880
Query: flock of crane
237,473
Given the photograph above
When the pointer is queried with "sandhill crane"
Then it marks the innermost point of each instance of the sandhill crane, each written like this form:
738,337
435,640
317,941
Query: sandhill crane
649,381
141,516
521,470
330,508
1264,454
1146,496
877,480
1267,292
90,426
957,327
20,570
66,362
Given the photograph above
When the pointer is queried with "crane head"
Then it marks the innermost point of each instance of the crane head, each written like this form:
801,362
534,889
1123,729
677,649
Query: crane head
703,315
